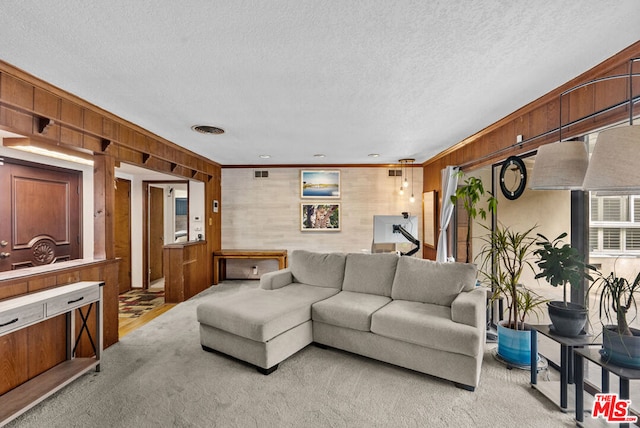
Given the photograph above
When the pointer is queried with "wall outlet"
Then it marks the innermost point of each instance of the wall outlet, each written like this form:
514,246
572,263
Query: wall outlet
255,270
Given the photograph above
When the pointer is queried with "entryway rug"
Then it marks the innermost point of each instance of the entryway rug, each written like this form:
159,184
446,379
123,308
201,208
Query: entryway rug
135,303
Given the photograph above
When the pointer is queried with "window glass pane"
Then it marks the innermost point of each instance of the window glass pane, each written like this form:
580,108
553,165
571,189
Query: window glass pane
613,209
610,238
596,215
633,239
593,239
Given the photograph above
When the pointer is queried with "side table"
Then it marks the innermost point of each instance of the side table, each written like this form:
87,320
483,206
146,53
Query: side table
593,355
567,345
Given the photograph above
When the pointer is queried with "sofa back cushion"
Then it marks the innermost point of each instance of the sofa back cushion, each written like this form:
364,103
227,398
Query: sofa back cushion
319,269
370,273
427,281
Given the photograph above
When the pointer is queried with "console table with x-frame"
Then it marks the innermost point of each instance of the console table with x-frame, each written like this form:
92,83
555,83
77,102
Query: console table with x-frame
24,311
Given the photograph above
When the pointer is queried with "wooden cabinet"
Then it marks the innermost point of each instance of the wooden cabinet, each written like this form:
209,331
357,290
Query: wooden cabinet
185,270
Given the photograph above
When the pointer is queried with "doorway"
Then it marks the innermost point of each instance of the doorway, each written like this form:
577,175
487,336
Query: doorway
123,233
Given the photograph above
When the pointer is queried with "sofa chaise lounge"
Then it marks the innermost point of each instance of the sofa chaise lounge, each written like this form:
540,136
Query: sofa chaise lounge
410,312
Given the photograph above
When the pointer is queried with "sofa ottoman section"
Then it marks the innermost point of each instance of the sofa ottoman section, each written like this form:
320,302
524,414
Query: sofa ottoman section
258,326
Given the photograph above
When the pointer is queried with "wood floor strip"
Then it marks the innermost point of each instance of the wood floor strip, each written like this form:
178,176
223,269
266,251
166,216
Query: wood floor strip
126,326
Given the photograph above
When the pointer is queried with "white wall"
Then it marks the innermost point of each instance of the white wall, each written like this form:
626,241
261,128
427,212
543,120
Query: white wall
265,213
196,210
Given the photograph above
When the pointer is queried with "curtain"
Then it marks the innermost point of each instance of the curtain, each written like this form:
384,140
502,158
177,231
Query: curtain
449,185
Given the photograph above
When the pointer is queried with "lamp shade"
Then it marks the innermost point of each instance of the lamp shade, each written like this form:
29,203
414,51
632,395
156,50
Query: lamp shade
560,166
615,162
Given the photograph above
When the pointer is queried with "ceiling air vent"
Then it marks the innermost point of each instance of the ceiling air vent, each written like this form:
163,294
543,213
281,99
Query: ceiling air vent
261,174
206,129
395,173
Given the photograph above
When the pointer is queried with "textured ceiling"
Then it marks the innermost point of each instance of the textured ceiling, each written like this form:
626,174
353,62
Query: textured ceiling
294,78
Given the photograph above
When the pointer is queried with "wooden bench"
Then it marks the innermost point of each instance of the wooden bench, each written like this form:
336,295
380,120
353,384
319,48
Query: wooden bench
220,258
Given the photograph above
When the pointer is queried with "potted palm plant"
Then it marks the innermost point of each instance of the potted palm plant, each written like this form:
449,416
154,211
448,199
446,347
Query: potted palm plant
506,254
620,342
562,264
471,193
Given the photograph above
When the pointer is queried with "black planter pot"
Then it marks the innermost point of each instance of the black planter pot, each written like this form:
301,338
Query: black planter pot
568,320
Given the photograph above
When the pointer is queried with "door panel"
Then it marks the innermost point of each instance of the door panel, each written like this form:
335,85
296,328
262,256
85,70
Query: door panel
156,232
40,212
123,233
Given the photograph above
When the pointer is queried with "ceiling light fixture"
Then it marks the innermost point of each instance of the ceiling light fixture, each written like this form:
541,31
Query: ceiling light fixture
319,155
405,183
264,156
44,149
207,129
373,155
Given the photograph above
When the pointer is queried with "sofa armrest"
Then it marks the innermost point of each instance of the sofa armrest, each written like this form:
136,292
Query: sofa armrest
470,307
277,279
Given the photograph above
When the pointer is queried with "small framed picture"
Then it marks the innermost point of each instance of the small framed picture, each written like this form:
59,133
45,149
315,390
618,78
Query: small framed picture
320,184
320,217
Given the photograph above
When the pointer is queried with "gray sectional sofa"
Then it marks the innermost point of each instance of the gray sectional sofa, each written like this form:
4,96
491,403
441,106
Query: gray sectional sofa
414,313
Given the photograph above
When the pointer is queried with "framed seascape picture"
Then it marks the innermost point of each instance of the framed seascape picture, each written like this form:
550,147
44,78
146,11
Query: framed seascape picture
320,217
320,184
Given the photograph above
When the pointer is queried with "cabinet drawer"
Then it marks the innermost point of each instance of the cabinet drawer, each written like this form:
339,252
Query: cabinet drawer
17,318
72,300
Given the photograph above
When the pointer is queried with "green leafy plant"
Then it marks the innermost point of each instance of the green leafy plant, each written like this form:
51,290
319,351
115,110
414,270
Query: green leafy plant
617,298
561,264
505,255
471,193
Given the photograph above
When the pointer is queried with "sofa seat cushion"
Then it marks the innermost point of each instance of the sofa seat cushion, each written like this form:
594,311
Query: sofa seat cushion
370,273
348,309
427,325
261,315
319,269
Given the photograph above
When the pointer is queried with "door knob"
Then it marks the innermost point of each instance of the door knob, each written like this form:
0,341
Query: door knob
4,255
3,243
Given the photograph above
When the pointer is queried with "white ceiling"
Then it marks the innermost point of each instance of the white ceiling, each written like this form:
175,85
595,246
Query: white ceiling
294,78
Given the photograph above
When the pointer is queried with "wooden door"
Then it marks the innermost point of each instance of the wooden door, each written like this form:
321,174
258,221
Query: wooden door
156,232
39,215
123,233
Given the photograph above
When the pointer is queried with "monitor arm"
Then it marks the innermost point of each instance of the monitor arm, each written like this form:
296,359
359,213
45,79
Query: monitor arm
399,229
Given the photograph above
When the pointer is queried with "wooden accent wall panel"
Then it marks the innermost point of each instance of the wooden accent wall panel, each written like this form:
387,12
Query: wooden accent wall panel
14,351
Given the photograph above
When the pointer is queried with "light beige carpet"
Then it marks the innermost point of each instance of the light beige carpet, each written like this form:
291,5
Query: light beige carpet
158,376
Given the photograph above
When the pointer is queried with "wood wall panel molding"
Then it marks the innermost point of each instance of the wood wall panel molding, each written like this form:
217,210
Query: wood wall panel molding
78,118
548,105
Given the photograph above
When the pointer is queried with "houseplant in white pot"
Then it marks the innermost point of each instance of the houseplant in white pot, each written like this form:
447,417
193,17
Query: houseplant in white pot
620,342
506,255
562,264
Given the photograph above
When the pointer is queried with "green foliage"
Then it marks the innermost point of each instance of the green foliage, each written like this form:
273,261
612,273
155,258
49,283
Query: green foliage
617,297
561,264
471,193
505,255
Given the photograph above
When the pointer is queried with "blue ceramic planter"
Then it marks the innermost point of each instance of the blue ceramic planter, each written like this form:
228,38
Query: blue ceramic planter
620,350
514,346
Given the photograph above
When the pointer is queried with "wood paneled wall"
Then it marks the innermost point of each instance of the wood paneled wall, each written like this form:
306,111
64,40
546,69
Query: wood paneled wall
539,121
48,115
